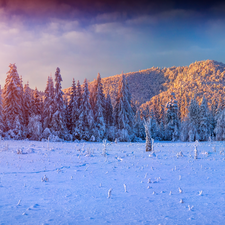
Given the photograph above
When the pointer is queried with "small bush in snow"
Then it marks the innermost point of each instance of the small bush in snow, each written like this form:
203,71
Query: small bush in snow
196,152
19,151
109,193
44,179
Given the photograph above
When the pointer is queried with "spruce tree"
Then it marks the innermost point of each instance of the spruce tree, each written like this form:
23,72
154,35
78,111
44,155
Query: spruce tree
58,118
1,114
153,125
139,129
204,124
194,119
86,120
123,113
99,116
108,111
73,110
28,108
110,129
172,120
37,103
13,113
48,105
100,97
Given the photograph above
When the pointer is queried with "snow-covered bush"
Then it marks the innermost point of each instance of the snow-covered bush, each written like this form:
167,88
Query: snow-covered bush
122,135
46,133
35,127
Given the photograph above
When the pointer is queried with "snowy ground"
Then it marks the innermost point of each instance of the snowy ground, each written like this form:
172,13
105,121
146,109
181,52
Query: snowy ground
146,189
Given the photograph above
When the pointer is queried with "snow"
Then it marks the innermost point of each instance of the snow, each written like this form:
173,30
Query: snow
118,183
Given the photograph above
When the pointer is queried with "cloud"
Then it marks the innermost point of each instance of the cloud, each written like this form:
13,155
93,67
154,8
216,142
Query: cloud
40,36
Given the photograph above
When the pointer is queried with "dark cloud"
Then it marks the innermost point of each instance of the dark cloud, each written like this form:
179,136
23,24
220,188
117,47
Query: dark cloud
91,8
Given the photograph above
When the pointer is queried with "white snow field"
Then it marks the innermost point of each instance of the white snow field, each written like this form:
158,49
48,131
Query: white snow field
81,183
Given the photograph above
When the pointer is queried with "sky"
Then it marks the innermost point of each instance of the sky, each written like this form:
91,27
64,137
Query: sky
109,37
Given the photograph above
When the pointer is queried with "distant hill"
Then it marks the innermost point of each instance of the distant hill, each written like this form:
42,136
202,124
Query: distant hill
146,86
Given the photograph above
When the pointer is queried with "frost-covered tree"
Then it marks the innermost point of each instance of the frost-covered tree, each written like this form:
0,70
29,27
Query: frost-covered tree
110,129
220,127
35,127
86,119
154,126
162,131
172,121
99,94
108,111
193,120
37,104
79,102
58,119
204,125
27,103
97,101
123,113
139,129
73,110
48,105
99,116
13,112
1,114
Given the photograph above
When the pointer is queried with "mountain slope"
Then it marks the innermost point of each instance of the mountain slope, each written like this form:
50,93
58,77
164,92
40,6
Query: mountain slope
203,77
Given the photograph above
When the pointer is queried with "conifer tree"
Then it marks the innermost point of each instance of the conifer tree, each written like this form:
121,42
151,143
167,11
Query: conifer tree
37,103
48,105
86,120
110,129
97,101
153,125
13,113
58,118
123,113
1,114
100,97
193,118
204,120
99,117
172,121
28,108
73,110
139,129
108,111
162,131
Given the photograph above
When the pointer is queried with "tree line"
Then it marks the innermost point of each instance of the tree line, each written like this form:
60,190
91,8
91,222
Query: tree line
86,114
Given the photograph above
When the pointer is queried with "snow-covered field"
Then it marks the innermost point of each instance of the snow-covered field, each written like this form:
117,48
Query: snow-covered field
165,188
